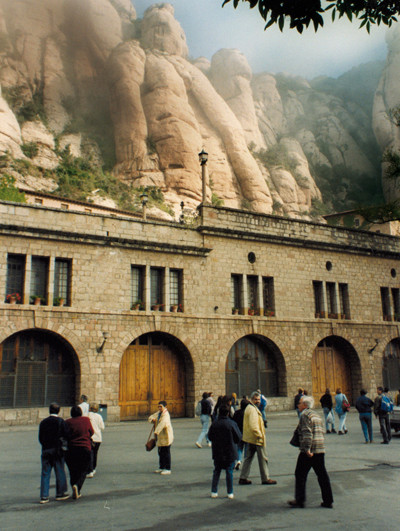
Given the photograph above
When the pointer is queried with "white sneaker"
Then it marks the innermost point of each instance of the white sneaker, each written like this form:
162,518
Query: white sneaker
214,495
158,471
90,475
231,496
165,472
197,444
209,444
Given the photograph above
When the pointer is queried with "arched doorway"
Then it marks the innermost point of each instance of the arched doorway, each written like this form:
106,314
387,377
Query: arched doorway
37,368
335,364
391,365
255,362
154,367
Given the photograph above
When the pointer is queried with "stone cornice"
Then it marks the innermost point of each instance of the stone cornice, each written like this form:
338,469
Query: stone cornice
38,233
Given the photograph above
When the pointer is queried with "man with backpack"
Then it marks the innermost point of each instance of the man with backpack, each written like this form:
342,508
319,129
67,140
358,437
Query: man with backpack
383,406
203,410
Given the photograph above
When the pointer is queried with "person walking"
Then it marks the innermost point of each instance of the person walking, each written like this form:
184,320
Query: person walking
165,436
300,393
254,437
79,449
225,436
363,406
311,455
51,432
84,405
98,425
383,415
205,418
327,406
262,406
339,397
238,418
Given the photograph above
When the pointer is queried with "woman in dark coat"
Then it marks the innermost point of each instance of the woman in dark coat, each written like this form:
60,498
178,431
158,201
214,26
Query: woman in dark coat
224,435
79,449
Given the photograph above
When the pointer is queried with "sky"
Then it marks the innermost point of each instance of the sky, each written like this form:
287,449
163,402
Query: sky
333,50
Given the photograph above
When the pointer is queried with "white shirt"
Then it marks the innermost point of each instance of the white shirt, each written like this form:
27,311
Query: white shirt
97,422
85,409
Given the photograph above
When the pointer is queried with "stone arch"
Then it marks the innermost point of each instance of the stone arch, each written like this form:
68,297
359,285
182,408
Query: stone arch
335,363
38,366
156,365
255,361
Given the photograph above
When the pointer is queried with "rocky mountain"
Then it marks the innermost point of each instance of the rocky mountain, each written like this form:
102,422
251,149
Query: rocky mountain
122,94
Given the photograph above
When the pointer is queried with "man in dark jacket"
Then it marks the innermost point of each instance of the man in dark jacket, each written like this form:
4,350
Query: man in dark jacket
51,430
363,406
327,406
224,435
205,417
383,417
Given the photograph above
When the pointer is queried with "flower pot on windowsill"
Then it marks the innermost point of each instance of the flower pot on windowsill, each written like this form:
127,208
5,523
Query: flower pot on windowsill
269,313
37,301
155,307
250,311
174,308
58,301
235,311
332,315
12,300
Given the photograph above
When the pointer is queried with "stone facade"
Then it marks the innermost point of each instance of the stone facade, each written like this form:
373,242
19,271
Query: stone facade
102,249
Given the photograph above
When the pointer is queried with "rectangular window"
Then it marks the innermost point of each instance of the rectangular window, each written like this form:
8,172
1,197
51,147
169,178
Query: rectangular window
396,303
39,278
252,292
175,288
156,286
268,296
331,300
62,281
385,304
137,287
344,301
236,293
318,298
15,275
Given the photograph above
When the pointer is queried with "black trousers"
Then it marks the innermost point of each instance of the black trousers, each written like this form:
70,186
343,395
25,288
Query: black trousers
78,461
384,423
164,453
304,464
93,458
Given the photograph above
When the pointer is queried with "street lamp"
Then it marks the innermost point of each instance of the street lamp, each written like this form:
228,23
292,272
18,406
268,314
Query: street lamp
203,158
144,198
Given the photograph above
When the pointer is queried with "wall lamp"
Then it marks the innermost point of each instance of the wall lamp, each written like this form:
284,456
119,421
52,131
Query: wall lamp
370,350
99,349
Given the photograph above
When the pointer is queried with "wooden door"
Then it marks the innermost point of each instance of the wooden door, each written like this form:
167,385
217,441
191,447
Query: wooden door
330,369
147,375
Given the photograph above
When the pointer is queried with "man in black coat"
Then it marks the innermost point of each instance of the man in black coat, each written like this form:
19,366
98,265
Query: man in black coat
224,435
51,430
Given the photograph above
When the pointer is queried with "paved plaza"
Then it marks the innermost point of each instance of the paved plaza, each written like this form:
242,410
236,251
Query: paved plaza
127,494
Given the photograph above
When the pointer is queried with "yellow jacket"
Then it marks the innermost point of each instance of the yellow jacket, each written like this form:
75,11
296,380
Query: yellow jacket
163,428
253,426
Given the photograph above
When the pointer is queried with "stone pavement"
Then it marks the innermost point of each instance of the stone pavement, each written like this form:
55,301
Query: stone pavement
126,494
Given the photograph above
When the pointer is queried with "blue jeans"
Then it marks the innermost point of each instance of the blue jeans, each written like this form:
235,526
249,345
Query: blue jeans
229,477
240,448
327,410
205,422
342,421
366,425
50,459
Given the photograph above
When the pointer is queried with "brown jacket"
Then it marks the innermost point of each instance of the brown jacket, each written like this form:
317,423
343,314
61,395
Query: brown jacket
253,426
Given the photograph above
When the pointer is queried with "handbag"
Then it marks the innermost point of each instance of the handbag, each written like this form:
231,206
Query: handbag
151,441
345,405
295,440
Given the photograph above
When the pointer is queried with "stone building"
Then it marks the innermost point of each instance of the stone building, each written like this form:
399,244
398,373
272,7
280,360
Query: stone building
130,311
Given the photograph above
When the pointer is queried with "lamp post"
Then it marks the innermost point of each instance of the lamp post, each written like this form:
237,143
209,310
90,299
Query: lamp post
203,158
144,198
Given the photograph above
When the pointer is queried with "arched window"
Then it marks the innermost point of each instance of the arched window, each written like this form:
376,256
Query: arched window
36,368
391,365
251,365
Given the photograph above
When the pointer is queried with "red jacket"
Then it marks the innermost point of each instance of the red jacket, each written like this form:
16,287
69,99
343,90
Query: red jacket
80,432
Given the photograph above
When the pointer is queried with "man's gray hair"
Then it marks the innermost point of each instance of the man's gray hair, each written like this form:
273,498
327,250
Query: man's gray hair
308,401
254,394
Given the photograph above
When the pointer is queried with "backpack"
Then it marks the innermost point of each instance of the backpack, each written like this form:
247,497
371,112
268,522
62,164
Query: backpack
386,404
198,409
